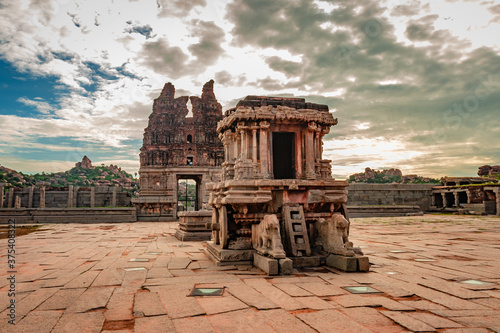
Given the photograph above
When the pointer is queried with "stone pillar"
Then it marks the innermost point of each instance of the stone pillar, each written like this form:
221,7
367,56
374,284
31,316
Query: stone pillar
310,173
244,152
70,196
317,147
237,146
254,145
42,197
497,192
17,202
30,196
113,202
445,202
75,196
92,197
264,149
1,196
457,199
298,156
433,200
10,200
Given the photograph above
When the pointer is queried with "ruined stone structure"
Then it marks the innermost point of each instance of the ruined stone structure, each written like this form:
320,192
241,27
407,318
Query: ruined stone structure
178,144
273,170
477,200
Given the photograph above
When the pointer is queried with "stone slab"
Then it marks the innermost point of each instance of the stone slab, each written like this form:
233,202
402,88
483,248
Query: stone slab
331,321
219,304
91,299
38,322
250,296
193,325
73,322
268,265
148,304
284,322
408,322
178,304
275,295
156,324
248,321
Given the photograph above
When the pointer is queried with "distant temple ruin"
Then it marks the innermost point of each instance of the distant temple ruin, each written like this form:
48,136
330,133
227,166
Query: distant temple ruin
180,148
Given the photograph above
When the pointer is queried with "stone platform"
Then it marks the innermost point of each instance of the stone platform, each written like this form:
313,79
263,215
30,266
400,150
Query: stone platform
192,226
135,277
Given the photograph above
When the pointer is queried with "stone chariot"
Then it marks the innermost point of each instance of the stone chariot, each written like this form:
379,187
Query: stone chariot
277,206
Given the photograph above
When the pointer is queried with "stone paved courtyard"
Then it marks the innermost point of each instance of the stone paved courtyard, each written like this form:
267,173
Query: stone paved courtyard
135,277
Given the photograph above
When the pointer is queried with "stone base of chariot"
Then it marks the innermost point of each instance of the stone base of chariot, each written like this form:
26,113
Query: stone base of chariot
273,266
357,263
225,257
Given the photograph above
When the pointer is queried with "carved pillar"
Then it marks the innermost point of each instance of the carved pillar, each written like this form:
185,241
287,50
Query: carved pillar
42,197
457,199
113,201
10,201
30,196
92,197
237,147
445,202
264,149
70,196
17,202
298,155
311,129
254,145
75,196
1,196
244,152
317,146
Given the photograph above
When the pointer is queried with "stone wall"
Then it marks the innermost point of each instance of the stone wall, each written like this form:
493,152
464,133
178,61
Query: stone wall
390,194
65,197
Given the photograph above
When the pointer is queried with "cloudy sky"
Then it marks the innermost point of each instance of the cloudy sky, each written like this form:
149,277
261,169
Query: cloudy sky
414,84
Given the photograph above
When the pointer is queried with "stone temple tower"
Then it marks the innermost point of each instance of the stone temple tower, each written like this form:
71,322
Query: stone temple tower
179,145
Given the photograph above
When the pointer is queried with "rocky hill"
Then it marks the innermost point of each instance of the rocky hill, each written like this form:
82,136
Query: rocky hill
83,174
388,176
489,171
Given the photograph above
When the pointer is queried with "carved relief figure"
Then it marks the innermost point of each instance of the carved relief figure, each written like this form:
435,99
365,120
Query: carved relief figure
266,237
333,236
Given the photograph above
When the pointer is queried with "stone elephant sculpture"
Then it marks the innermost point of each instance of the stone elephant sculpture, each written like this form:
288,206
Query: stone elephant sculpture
266,237
333,236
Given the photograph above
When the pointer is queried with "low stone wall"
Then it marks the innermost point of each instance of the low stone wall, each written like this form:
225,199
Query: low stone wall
68,215
390,195
64,197
382,211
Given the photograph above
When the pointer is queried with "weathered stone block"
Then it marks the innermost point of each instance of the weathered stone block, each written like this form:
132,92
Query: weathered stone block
346,264
285,266
306,261
268,265
363,264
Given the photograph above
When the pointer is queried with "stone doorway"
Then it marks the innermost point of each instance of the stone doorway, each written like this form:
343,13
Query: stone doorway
283,155
188,193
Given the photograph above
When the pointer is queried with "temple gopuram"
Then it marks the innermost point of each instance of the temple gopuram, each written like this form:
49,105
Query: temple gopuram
180,154
277,206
